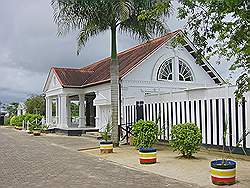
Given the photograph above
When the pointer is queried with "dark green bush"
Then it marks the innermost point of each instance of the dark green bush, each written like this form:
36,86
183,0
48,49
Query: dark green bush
35,126
186,138
7,121
145,133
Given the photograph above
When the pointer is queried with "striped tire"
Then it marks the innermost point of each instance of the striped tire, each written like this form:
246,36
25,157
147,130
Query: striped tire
147,155
223,175
106,147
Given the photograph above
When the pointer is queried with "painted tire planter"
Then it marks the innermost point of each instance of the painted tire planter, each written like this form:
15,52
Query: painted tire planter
106,147
18,128
223,175
36,132
147,155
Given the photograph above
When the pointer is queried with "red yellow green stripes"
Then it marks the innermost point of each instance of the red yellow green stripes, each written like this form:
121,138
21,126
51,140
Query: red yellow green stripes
223,176
147,157
106,148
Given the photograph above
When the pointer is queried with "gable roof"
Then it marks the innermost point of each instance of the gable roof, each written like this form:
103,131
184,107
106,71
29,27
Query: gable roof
99,72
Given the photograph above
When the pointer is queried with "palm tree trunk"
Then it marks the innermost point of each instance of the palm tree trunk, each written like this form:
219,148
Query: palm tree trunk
114,73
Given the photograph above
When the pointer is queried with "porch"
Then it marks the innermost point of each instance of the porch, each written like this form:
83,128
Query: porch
71,114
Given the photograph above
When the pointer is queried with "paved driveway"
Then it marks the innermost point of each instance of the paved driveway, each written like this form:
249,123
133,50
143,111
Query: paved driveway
53,161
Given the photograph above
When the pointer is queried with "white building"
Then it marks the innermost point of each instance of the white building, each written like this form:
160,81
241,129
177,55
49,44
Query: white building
21,109
152,67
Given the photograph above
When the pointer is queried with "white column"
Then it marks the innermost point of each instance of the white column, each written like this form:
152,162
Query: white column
97,118
69,111
82,118
48,110
64,120
59,109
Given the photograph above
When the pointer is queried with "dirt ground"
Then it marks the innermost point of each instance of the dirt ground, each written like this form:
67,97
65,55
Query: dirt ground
169,164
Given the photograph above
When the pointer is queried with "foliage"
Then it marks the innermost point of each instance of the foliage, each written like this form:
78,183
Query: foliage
7,121
39,127
32,117
186,138
92,17
12,109
227,23
35,105
107,131
17,120
35,126
145,133
74,110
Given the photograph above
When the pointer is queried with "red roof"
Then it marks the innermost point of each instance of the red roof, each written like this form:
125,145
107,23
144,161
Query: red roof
99,72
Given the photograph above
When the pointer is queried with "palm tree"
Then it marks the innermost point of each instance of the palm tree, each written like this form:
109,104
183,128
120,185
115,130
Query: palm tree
141,18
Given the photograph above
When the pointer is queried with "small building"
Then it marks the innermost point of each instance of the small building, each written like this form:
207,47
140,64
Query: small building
153,67
21,109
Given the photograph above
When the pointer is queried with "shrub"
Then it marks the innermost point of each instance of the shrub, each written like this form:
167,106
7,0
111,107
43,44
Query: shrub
17,120
145,133
7,121
35,126
186,138
32,117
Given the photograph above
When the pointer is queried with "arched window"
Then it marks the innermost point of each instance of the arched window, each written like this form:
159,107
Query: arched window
185,73
166,70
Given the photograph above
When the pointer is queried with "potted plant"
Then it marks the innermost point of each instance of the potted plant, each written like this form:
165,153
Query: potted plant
36,129
106,145
223,171
44,129
145,134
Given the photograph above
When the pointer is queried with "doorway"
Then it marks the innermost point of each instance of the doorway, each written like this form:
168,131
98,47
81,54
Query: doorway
90,110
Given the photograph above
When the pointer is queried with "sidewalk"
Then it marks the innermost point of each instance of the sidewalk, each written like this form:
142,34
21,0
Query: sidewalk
194,171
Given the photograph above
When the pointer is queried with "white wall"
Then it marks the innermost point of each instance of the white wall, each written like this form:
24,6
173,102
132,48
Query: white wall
144,77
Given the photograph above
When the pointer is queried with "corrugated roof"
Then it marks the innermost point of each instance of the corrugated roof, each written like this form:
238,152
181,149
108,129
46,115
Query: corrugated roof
99,72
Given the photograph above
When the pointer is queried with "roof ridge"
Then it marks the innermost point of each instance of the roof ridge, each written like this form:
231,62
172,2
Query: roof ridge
136,47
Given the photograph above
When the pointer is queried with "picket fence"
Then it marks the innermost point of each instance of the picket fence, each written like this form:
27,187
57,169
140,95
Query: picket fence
213,110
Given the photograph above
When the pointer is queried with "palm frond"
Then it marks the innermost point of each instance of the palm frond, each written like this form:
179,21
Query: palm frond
89,30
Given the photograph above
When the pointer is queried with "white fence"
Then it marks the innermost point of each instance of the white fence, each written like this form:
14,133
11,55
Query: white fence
212,109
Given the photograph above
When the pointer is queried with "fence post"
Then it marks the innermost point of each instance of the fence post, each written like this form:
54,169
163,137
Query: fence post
127,129
23,125
139,110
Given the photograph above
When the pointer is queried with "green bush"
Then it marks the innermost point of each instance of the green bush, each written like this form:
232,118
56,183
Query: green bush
35,126
17,120
145,133
186,138
7,121
32,117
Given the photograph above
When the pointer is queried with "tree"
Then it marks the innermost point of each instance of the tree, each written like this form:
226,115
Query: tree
92,17
35,105
227,22
12,109
74,109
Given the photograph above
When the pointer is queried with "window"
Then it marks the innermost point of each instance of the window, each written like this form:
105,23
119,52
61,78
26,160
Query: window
185,73
166,70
